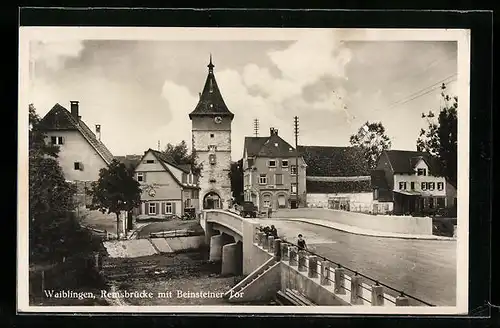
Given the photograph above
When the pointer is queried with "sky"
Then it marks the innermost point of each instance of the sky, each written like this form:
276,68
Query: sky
141,92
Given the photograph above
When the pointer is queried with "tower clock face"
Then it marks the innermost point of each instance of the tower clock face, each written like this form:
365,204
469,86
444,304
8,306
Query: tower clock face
218,119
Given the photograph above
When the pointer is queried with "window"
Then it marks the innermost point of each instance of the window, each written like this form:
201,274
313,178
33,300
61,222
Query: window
431,202
293,169
284,163
212,159
272,163
267,201
431,185
263,179
190,181
56,140
140,176
294,188
150,161
78,166
402,185
195,194
278,179
440,185
152,208
412,185
421,172
424,185
212,135
168,208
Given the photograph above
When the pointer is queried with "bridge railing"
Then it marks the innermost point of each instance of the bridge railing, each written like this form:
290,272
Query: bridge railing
226,218
362,288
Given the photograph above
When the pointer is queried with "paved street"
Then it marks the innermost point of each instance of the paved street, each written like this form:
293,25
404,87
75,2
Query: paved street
422,268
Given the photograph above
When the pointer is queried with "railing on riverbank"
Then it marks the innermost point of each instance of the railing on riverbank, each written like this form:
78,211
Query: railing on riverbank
363,290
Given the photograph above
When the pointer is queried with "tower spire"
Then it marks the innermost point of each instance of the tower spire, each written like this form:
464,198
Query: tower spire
210,65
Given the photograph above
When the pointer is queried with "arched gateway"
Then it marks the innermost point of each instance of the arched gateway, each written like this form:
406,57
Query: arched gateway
212,201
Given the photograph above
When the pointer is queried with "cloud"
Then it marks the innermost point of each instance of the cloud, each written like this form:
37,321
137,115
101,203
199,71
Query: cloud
54,54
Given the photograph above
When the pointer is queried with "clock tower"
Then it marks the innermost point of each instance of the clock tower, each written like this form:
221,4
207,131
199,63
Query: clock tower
211,139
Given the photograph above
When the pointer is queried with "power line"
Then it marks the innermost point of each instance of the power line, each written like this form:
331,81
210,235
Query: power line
420,92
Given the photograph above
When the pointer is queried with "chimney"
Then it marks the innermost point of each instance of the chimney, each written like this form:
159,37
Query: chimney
74,109
199,95
273,131
98,131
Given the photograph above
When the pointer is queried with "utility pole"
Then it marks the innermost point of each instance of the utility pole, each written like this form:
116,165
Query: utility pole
159,149
296,132
256,127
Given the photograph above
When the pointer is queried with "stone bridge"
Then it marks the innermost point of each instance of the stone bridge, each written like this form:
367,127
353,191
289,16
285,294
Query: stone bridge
275,267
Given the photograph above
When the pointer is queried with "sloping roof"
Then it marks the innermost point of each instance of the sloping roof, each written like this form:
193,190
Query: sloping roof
162,160
334,161
403,161
329,187
130,161
186,168
211,101
272,146
59,118
378,180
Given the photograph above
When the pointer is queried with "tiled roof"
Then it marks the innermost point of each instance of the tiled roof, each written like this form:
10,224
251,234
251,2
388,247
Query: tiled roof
272,146
329,187
326,161
186,168
130,161
403,161
211,101
59,118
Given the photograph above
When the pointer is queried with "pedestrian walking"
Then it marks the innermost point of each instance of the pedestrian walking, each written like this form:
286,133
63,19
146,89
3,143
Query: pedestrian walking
301,243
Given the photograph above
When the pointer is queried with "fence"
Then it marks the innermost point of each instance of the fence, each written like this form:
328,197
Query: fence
104,234
174,233
362,289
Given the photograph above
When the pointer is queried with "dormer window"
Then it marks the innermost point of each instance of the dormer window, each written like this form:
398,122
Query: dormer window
422,172
272,163
284,163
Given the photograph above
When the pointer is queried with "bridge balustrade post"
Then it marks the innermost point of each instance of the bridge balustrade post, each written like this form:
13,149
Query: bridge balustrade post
401,300
302,261
270,244
377,295
265,245
262,239
293,256
313,267
356,290
339,281
284,252
325,273
277,249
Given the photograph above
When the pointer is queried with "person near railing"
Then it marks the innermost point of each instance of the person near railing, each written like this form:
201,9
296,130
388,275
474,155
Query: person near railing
301,243
273,231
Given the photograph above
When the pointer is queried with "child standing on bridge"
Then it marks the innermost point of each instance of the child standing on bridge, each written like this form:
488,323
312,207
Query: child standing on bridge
301,243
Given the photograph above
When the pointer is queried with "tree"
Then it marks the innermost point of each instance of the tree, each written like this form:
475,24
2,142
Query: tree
236,176
372,140
440,137
115,191
179,154
51,198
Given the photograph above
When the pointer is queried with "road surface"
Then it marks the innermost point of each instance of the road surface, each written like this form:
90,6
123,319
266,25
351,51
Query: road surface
422,268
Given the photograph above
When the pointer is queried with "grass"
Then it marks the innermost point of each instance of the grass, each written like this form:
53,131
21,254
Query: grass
169,226
98,220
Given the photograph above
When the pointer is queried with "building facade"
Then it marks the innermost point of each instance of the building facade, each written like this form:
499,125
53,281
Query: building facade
211,123
167,189
337,178
409,180
82,154
270,173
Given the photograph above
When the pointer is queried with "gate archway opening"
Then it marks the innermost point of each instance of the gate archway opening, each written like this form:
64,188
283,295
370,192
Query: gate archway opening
212,201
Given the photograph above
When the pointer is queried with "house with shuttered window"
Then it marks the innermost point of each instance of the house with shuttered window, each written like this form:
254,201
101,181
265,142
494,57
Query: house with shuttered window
167,189
411,183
